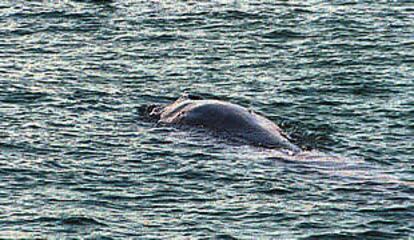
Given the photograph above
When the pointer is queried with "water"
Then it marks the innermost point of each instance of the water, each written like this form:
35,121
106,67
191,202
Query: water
78,160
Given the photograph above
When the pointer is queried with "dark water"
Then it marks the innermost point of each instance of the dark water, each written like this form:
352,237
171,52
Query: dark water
77,159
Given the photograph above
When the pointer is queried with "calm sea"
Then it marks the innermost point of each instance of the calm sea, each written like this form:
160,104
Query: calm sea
77,159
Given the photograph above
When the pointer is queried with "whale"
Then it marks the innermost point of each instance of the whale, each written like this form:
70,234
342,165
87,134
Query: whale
228,119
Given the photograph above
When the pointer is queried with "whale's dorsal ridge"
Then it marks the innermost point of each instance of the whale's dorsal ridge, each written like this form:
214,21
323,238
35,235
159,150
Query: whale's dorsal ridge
225,117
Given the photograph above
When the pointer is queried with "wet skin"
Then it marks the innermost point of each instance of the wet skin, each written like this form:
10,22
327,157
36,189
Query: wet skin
219,116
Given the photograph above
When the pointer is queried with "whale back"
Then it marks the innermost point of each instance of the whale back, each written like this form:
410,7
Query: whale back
220,116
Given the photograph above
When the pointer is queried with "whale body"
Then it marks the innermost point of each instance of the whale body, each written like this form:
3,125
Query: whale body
224,117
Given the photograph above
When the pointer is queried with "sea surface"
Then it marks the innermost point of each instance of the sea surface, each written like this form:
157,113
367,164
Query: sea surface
78,160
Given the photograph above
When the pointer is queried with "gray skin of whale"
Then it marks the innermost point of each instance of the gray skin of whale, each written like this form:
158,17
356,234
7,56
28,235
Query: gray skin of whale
220,116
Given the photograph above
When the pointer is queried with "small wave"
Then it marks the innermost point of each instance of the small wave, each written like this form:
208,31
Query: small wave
164,38
81,220
284,34
367,234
